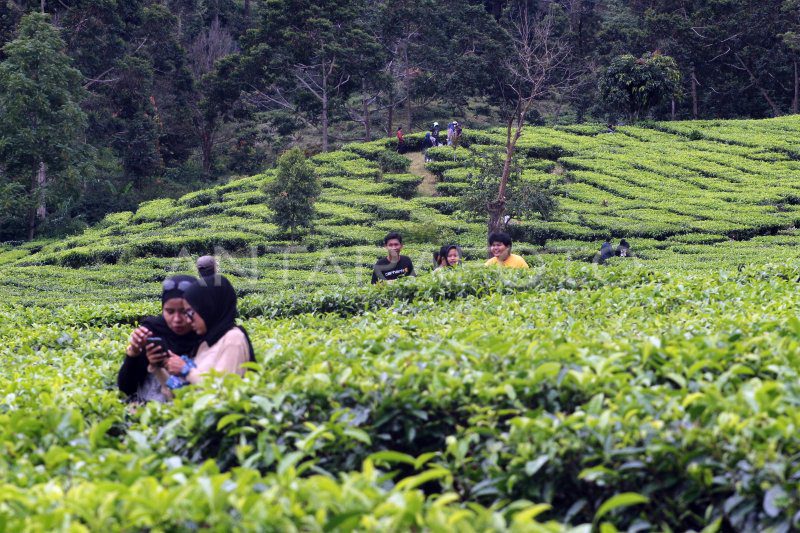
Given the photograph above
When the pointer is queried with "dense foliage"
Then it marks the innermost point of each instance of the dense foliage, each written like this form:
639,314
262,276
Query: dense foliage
634,85
657,392
41,126
615,396
179,93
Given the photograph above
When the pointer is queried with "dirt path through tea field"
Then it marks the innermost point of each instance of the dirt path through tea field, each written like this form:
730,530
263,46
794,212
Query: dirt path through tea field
428,185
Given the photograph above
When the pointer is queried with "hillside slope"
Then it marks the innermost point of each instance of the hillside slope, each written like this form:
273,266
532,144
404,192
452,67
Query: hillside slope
688,195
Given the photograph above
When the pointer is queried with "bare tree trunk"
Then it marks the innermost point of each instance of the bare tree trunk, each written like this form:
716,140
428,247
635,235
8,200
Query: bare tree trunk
247,9
694,94
41,5
41,181
324,95
496,218
407,87
672,114
365,106
38,208
796,90
390,117
31,223
207,146
775,111
497,208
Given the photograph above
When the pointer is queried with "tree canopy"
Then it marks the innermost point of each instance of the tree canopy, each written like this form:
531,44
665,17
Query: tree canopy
178,93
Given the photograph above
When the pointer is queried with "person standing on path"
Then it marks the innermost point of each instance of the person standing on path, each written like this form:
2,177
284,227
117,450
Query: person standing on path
401,143
427,142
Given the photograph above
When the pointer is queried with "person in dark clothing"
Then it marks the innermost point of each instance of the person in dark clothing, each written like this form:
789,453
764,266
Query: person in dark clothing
427,142
206,266
457,134
176,334
401,142
606,252
435,133
623,250
438,257
394,265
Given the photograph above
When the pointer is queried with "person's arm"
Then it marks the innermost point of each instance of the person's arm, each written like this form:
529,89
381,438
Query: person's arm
132,373
134,368
375,278
411,268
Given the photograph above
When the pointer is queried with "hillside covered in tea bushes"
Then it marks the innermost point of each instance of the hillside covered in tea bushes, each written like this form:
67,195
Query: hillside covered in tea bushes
657,392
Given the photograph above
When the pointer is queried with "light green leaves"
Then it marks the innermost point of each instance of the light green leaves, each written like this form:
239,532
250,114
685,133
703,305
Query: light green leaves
626,499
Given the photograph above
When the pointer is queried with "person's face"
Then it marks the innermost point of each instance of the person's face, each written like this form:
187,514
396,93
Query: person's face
174,313
452,257
499,250
197,322
393,247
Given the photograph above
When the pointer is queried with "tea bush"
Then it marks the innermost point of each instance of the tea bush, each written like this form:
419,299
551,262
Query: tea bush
657,392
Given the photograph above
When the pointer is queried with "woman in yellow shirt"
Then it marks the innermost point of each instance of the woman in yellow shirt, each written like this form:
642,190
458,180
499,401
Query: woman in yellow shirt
500,247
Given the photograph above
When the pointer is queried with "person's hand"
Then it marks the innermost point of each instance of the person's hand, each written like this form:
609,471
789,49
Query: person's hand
137,340
174,364
155,355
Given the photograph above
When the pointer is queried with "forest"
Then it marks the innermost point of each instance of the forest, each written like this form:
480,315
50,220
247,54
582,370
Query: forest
104,104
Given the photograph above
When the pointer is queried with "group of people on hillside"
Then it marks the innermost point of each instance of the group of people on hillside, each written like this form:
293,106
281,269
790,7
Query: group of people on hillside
395,265
454,131
195,334
607,251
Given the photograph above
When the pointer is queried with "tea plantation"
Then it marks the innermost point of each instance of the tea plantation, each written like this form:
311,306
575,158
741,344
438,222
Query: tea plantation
658,392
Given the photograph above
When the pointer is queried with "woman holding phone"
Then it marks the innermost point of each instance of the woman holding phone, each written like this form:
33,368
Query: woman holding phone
150,343
224,347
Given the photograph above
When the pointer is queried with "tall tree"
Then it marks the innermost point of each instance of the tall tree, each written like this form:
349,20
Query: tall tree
42,124
636,85
791,39
209,46
534,67
303,57
9,18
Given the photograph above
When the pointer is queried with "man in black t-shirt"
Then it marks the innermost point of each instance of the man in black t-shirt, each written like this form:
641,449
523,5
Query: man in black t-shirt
394,265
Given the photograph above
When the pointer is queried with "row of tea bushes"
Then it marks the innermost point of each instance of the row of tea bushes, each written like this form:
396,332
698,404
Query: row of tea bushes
620,395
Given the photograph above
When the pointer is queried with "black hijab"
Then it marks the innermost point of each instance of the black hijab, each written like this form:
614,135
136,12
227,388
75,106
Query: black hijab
214,299
134,369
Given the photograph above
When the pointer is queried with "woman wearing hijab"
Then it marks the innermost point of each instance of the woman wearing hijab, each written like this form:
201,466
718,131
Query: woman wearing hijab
177,336
224,346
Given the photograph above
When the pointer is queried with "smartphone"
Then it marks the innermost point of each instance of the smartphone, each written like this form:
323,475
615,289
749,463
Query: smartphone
157,341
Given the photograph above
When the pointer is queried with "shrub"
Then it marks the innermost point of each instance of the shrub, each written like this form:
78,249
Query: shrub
293,193
402,185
